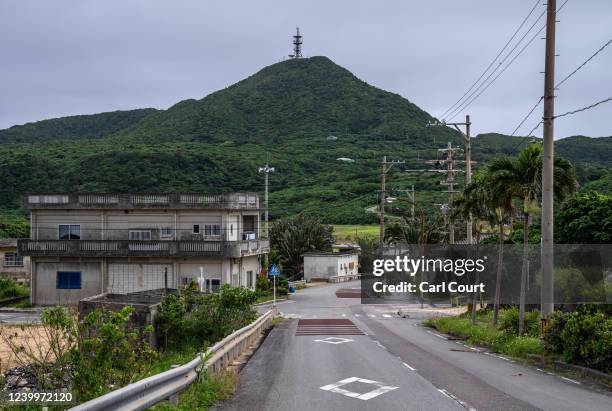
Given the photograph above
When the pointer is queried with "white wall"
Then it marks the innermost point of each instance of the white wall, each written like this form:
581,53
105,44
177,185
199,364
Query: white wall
325,266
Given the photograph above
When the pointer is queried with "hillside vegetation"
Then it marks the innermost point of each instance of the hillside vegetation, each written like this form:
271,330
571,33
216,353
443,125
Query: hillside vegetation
300,115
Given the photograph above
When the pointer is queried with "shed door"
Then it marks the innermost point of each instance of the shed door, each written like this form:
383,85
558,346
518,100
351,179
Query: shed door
130,278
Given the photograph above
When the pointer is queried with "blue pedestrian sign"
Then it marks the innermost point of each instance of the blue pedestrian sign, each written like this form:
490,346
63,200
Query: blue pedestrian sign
274,271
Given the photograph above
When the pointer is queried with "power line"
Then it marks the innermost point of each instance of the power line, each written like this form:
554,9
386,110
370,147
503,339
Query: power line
557,86
518,43
590,106
527,116
467,103
584,63
495,59
568,113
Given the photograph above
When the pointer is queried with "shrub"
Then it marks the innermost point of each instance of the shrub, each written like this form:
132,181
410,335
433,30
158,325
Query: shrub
509,321
553,341
262,284
109,353
587,339
10,288
193,318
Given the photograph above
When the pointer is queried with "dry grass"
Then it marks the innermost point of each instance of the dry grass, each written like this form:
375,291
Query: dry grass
33,338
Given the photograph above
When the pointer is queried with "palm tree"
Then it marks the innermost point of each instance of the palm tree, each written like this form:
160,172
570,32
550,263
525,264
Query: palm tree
487,199
473,203
522,178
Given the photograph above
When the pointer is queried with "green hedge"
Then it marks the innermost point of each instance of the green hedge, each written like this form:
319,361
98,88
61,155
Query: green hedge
582,337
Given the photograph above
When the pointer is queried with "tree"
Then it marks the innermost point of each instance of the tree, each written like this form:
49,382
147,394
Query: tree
585,219
474,202
293,236
429,231
521,178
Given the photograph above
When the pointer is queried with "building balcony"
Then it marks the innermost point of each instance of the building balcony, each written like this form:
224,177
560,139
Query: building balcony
153,248
128,201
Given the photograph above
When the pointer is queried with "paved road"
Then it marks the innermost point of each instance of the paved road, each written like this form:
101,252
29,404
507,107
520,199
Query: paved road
396,365
19,317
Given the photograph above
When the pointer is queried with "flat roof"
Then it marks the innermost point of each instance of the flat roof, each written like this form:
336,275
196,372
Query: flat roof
328,254
243,200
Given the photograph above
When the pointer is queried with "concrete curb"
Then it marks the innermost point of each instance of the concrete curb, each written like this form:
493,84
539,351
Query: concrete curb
572,367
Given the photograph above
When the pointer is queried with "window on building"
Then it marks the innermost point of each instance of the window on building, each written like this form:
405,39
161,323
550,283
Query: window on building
166,233
250,279
213,285
69,232
13,260
68,280
196,228
140,235
213,230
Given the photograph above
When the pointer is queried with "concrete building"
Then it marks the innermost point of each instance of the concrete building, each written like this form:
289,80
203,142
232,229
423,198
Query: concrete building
12,264
84,244
324,265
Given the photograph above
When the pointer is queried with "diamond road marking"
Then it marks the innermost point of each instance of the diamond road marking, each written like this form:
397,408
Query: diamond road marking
335,387
334,340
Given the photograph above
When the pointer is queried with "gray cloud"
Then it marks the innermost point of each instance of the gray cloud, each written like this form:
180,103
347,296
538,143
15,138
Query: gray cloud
73,57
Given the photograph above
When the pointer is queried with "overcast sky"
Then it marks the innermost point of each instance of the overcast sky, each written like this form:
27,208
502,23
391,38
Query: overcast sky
62,57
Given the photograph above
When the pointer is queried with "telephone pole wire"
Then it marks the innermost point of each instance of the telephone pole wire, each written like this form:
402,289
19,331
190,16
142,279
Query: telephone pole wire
547,291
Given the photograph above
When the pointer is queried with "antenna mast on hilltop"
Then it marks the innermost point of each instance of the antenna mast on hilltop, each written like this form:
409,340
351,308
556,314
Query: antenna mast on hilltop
297,45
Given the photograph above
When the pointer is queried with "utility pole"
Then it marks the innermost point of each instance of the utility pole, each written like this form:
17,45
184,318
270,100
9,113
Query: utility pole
386,166
547,291
450,171
267,170
468,161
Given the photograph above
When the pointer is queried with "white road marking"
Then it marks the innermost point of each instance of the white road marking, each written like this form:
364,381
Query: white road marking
387,316
335,387
454,398
409,367
357,315
437,335
471,348
380,345
570,380
371,316
499,356
539,369
335,340
344,315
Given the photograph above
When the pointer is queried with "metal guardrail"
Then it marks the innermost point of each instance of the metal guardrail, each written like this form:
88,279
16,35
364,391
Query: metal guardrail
149,391
342,278
296,283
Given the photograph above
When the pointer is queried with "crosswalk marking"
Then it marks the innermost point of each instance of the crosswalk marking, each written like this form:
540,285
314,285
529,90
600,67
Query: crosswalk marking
330,326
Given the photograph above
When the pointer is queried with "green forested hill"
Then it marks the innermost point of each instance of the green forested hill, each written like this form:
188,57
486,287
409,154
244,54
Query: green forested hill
300,115
74,127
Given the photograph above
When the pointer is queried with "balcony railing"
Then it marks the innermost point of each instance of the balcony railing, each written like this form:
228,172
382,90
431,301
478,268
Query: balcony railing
126,248
243,200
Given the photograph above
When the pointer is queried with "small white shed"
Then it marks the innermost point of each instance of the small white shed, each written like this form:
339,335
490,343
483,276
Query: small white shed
323,265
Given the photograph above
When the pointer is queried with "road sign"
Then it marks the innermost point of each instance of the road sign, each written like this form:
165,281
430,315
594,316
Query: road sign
274,271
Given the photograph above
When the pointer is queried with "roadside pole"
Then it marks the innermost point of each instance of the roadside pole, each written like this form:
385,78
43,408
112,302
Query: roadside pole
547,290
274,272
